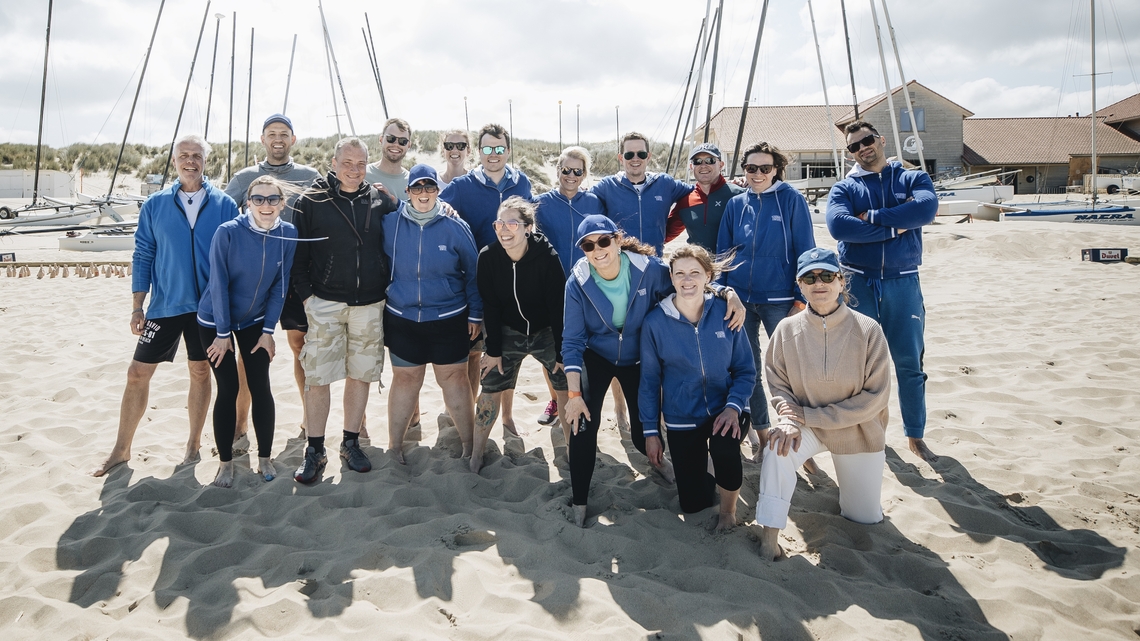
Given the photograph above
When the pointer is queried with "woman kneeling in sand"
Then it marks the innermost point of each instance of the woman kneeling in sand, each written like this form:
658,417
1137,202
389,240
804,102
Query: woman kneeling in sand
250,259
828,369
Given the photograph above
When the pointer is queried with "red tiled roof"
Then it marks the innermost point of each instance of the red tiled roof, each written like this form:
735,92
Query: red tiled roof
1121,111
789,128
866,105
1026,141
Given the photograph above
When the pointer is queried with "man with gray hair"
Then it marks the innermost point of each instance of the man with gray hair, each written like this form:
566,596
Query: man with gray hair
340,274
172,263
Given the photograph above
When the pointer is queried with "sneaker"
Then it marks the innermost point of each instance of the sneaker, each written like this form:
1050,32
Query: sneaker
357,459
549,414
311,467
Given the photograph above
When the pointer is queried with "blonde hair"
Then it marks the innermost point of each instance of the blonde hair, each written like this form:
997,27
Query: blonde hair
577,153
713,265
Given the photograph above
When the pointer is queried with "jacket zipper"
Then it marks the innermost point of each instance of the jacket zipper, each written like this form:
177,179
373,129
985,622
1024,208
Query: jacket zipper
419,279
260,277
515,291
826,376
193,254
701,358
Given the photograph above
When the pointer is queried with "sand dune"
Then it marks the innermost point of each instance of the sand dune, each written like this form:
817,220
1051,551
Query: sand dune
1026,528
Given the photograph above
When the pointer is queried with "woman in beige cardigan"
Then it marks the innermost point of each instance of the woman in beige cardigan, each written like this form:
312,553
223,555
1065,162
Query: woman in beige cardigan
828,369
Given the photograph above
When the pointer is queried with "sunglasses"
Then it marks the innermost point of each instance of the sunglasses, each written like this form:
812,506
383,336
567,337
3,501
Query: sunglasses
640,154
399,141
827,277
566,171
258,201
764,169
497,150
704,161
512,225
416,190
859,144
603,242
455,146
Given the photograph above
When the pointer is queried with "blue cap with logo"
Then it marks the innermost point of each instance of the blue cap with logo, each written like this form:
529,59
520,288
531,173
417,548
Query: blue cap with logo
423,172
595,224
281,118
705,148
817,258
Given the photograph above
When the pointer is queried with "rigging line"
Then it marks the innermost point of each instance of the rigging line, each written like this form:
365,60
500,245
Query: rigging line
1108,52
117,101
58,111
1075,7
1123,41
20,108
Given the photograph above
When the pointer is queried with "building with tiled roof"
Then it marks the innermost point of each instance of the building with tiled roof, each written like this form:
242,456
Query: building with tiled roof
1123,116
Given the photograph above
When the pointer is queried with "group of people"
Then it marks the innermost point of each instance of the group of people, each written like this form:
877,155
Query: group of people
470,272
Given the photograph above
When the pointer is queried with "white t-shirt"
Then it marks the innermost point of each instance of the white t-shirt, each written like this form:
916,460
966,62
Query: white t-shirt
192,203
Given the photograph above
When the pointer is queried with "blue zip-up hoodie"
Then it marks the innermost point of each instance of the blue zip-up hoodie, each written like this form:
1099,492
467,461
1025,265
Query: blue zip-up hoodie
879,247
641,214
477,199
558,219
703,370
769,231
171,260
589,314
249,275
434,277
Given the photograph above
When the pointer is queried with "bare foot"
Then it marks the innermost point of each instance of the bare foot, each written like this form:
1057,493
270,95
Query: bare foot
397,454
580,515
467,447
303,434
666,471
622,423
476,463
770,549
241,445
225,477
113,461
363,431
266,469
726,521
919,448
192,455
810,467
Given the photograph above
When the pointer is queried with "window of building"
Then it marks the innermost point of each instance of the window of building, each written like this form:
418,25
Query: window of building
919,119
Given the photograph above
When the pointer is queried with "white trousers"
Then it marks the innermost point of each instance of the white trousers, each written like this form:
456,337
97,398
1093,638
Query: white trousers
860,482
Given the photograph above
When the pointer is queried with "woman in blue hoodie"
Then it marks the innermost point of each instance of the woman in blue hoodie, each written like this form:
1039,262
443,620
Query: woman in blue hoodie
768,227
608,295
698,373
250,259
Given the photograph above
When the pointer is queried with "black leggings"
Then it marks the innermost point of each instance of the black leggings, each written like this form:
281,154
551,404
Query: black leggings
690,450
225,405
597,373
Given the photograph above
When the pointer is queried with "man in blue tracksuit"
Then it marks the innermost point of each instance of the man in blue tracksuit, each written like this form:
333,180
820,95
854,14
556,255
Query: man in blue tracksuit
877,213
172,263
637,200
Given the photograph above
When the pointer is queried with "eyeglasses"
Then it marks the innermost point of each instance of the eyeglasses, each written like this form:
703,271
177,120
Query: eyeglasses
498,150
258,201
512,225
455,146
859,144
566,171
704,161
429,188
827,277
403,142
640,154
603,242
764,169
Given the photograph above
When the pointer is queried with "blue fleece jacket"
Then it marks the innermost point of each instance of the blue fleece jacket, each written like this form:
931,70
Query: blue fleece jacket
558,220
171,260
434,276
769,232
249,275
898,202
702,370
588,313
477,199
641,214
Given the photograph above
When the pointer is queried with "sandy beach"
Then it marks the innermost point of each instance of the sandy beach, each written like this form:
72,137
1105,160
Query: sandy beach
1025,528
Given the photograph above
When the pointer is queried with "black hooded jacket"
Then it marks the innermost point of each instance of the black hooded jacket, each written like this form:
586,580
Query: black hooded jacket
526,296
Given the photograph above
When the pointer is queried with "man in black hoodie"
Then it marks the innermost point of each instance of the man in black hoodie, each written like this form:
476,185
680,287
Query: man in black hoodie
341,274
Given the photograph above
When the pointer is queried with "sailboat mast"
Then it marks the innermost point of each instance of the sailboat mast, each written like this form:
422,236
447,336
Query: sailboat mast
748,92
701,68
826,102
336,68
230,132
210,95
249,100
887,81
138,90
712,73
376,65
850,66
1092,47
178,122
289,77
906,92
684,99
43,98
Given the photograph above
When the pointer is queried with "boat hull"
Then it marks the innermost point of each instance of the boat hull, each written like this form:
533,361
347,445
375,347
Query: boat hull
98,242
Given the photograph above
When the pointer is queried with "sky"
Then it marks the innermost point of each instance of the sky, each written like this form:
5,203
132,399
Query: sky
612,63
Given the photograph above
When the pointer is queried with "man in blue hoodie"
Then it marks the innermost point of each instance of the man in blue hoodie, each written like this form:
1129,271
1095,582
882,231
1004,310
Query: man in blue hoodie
877,213
172,263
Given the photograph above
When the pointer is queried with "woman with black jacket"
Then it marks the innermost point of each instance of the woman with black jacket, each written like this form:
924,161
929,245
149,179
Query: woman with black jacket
522,284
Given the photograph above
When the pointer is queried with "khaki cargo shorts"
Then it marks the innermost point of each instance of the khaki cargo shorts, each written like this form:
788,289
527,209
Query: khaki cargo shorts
342,341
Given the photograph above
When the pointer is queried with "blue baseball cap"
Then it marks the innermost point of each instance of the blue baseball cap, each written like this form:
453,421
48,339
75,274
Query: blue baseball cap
705,148
595,224
281,118
423,172
817,258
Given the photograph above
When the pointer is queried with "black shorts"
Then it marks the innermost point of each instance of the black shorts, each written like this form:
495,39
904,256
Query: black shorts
293,313
159,340
439,342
